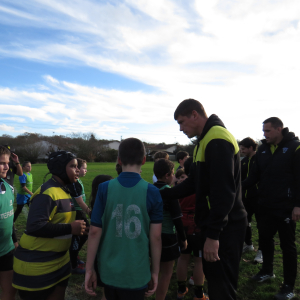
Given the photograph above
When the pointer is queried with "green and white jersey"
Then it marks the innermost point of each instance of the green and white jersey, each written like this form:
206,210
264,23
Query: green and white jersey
125,237
76,205
6,217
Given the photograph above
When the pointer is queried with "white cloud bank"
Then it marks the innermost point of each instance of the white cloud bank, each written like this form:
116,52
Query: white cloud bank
239,58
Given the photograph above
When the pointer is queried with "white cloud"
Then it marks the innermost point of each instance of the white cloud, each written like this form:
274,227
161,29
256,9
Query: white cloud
6,128
240,58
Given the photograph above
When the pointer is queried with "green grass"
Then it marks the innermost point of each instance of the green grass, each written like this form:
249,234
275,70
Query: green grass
248,290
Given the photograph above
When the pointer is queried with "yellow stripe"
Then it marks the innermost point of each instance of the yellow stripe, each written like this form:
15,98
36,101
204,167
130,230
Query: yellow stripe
297,148
39,289
57,193
63,217
40,268
44,244
216,132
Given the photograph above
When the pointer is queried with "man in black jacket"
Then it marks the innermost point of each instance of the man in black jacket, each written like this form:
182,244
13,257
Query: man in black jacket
250,196
277,169
215,178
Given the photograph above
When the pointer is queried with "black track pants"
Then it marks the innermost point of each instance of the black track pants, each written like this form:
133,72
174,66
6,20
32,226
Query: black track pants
269,226
78,241
222,276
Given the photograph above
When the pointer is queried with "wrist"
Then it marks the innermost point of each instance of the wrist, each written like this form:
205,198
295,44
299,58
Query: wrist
17,163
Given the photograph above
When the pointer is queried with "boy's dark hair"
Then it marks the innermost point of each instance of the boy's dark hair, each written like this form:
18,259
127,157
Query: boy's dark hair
163,167
275,122
179,173
25,163
97,180
187,165
186,107
80,162
4,150
118,169
248,142
181,155
161,154
131,152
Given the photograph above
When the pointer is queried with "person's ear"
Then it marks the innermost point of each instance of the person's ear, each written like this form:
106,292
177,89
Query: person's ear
119,161
144,160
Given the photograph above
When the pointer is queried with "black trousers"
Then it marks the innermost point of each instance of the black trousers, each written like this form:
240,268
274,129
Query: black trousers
78,240
269,226
251,206
19,210
222,276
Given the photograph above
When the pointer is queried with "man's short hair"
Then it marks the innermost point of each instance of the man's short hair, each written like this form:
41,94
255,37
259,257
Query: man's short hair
181,155
187,165
179,173
4,150
186,107
248,142
161,154
163,167
275,122
80,162
25,163
131,152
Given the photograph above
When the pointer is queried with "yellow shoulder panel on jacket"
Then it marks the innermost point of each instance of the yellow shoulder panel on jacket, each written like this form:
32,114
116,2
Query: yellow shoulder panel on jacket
57,193
216,132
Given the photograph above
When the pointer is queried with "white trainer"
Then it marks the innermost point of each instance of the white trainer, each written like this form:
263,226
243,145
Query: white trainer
248,248
259,257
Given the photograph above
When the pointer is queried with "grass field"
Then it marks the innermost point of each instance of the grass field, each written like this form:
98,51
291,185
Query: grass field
248,290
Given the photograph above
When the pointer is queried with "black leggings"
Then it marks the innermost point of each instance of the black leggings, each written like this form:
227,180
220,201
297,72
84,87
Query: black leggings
19,210
78,240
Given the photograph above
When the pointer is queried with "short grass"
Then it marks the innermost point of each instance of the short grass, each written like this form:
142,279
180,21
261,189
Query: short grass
248,290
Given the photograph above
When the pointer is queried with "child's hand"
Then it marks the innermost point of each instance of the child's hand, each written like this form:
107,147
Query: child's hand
152,285
86,232
90,282
14,157
183,245
78,227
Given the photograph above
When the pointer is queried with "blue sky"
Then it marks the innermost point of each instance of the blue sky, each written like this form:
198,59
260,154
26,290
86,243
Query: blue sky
120,68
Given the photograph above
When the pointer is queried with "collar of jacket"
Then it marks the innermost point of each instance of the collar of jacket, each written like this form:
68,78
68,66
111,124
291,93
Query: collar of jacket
287,136
213,120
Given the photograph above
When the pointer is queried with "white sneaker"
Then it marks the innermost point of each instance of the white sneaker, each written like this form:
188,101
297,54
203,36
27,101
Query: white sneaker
248,248
259,257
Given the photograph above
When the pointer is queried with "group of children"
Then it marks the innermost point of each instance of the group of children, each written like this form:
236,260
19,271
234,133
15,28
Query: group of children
129,223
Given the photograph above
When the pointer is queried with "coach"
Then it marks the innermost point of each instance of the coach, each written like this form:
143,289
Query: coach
277,168
215,178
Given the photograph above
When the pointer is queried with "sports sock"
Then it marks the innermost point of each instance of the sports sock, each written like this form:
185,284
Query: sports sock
181,286
198,290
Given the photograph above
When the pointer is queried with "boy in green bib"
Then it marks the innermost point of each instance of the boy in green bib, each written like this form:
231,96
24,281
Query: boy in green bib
6,228
82,210
25,188
126,219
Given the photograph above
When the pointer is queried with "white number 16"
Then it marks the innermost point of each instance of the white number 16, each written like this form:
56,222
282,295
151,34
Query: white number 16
118,214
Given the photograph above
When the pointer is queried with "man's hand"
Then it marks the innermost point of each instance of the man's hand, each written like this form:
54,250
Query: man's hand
152,285
210,250
296,214
90,282
16,245
78,227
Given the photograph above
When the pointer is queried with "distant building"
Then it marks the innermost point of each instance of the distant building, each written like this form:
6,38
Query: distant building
111,145
169,148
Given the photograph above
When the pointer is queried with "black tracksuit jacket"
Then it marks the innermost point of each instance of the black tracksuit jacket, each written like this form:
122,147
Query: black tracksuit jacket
215,177
246,166
278,175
